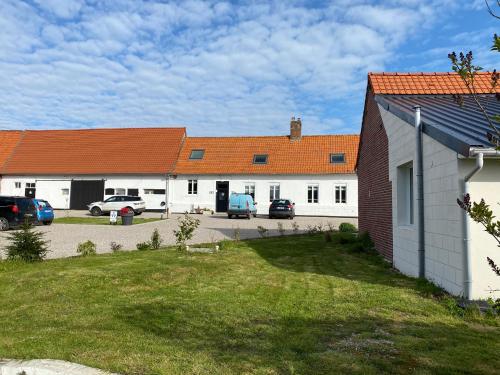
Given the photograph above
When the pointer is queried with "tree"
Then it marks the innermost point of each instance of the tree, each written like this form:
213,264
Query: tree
26,244
464,65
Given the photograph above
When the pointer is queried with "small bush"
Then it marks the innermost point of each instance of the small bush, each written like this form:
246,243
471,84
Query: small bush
236,234
185,232
156,240
343,238
262,231
225,244
143,246
26,244
115,246
347,228
328,236
295,227
86,248
311,229
281,229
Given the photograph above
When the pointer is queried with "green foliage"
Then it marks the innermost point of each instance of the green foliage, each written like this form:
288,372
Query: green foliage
156,240
143,246
365,239
115,247
86,248
187,226
347,227
328,236
26,244
262,231
343,238
226,244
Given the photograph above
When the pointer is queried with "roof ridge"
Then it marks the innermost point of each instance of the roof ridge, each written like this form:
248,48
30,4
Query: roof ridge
420,73
272,136
117,128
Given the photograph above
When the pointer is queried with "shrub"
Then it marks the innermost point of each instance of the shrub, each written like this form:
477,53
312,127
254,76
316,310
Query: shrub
311,229
281,229
328,236
156,240
86,248
262,231
225,244
143,246
347,228
187,226
365,240
330,226
343,238
295,227
236,234
115,246
26,244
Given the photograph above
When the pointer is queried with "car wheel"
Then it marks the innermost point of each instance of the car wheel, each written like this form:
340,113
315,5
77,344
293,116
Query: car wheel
291,217
47,222
249,216
4,224
270,216
96,211
229,216
255,215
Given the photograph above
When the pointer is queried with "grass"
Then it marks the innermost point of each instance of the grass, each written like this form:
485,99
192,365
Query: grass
98,220
288,305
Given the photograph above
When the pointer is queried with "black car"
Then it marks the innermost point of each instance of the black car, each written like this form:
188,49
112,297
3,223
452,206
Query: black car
15,210
282,208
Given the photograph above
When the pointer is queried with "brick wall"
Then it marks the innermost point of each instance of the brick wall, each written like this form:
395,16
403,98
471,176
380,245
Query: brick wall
375,190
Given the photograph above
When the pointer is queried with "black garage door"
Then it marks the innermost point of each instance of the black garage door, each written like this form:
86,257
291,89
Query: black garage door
85,192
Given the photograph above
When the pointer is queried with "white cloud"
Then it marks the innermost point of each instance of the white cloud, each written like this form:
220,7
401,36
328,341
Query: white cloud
216,67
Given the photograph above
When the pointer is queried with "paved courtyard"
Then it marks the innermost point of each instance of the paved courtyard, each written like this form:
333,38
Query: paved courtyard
64,238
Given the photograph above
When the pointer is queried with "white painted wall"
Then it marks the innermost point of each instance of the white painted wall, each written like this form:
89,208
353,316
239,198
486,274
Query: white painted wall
293,187
443,184
51,187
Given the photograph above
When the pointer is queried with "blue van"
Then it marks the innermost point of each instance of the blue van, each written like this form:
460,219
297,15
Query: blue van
44,211
241,205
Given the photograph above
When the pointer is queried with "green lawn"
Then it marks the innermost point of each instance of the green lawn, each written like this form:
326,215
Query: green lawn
292,305
99,220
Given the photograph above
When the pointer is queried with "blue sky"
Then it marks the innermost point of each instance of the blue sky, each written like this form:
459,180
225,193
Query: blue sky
219,68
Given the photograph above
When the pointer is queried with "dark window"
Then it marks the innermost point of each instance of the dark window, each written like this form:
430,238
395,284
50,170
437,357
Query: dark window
260,159
130,198
274,192
197,154
109,191
337,158
192,187
340,194
312,194
154,191
133,192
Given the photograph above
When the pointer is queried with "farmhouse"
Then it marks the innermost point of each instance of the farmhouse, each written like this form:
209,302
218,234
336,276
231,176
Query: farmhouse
421,148
71,168
316,172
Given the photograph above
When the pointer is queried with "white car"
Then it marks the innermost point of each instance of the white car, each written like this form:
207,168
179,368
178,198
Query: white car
116,203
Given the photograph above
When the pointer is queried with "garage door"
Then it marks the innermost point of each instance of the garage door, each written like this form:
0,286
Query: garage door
85,192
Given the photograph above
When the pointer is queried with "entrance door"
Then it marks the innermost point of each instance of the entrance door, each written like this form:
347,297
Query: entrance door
85,192
221,196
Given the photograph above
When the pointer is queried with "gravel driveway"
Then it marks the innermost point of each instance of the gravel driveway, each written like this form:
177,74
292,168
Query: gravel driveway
64,238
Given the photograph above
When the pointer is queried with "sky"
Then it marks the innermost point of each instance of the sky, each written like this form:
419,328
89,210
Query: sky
220,68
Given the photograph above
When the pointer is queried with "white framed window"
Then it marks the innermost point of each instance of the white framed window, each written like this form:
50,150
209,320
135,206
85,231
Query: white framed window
154,191
405,194
65,191
274,192
192,187
120,191
17,185
340,193
313,193
30,185
109,191
250,189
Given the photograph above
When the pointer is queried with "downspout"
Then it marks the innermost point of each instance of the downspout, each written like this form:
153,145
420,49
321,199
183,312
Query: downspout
466,224
167,195
420,193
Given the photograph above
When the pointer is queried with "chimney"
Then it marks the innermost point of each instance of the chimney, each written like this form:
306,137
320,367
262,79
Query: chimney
295,129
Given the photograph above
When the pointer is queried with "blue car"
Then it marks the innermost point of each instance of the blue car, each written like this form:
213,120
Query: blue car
241,205
44,211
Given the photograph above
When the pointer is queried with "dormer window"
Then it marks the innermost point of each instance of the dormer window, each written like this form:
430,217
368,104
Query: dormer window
197,154
337,158
260,159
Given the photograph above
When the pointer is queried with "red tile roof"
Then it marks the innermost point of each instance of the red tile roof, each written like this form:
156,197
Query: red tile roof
96,151
234,155
8,141
427,83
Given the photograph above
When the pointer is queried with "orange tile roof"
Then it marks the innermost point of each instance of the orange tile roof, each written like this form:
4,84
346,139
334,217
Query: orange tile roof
427,83
8,141
234,155
96,151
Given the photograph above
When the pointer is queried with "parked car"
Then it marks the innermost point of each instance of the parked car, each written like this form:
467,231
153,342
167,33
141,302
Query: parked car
15,210
241,205
116,203
282,208
44,211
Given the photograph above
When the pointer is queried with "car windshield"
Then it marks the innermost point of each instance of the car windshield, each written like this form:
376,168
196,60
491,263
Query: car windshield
278,202
110,199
